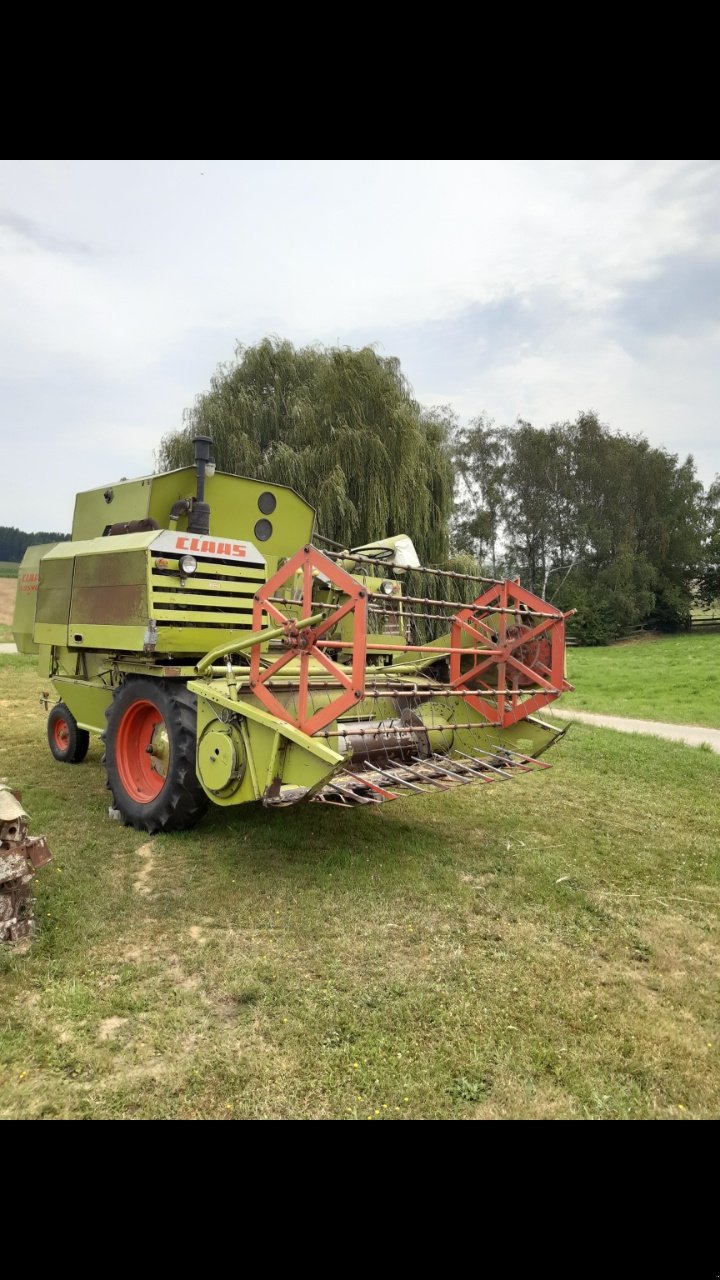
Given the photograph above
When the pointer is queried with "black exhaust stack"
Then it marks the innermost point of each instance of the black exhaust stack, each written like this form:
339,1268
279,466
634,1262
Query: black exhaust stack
199,517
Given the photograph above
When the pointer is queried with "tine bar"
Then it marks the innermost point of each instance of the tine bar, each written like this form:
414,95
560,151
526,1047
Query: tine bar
429,778
507,764
502,773
440,761
532,760
394,777
373,786
353,797
495,755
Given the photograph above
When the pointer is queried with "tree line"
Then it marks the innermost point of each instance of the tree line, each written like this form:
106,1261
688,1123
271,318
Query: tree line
595,520
14,543
342,428
591,518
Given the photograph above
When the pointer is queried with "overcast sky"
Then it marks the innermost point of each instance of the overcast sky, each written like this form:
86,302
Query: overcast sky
519,288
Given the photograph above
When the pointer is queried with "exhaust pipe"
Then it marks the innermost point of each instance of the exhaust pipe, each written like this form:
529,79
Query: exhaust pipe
199,517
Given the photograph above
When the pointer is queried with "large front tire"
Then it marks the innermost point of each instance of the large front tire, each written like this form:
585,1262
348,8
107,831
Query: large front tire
150,744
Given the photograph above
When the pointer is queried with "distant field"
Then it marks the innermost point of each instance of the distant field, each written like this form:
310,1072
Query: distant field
675,678
545,948
7,604
706,611
707,619
8,569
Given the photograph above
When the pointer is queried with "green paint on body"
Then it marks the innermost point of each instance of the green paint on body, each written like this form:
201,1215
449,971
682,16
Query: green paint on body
108,607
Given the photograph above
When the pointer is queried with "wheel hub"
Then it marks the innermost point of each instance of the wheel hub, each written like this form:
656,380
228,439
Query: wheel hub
159,749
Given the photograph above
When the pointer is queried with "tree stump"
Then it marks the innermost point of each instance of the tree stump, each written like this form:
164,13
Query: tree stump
20,857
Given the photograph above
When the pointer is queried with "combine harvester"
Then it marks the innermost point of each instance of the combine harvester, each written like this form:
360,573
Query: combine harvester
221,656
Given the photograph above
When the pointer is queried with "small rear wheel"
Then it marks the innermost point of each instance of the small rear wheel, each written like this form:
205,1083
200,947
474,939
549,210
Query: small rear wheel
68,743
150,745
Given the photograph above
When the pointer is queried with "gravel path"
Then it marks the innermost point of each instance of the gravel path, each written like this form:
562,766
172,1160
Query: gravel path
692,734
7,648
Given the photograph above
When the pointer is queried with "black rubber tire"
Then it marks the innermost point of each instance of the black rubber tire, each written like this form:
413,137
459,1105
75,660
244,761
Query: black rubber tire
182,801
77,742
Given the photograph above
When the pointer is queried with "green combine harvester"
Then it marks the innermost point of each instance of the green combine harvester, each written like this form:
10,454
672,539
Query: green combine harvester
223,657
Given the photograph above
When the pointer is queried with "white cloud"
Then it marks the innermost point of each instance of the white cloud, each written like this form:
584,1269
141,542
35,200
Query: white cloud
122,284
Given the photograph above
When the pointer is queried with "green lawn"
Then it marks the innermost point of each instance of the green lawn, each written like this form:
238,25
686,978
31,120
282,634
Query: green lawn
7,604
675,678
8,569
706,612
545,948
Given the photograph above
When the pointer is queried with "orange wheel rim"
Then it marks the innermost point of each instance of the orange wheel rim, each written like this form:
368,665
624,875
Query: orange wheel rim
136,763
61,734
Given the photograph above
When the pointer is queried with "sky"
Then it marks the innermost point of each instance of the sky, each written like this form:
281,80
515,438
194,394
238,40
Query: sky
515,288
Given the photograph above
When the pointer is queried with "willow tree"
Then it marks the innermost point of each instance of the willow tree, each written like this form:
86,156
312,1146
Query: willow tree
342,428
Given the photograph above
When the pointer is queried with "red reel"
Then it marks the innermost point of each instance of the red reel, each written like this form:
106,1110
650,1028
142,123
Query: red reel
303,644
523,654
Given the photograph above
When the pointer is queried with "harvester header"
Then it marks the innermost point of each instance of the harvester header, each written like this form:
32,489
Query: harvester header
194,624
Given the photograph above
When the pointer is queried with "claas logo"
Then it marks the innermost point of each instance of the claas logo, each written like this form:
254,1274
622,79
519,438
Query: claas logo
206,546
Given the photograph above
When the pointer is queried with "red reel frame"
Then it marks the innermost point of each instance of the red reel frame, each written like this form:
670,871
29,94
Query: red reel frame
303,644
504,647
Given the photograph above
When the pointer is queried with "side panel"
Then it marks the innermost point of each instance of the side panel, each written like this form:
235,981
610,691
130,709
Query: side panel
86,701
272,516
94,594
276,519
110,590
110,638
128,500
53,599
26,598
279,758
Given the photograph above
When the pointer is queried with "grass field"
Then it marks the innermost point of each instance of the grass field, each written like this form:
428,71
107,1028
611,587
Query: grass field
8,569
7,604
545,948
675,678
706,613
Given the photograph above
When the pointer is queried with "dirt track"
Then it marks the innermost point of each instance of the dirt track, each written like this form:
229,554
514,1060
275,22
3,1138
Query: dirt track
7,599
691,734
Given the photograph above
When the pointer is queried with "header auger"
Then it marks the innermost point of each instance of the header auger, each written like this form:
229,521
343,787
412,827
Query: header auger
223,656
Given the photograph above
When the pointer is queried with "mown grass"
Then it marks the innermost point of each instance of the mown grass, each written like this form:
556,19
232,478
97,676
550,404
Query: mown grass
703,613
541,949
673,678
7,605
8,569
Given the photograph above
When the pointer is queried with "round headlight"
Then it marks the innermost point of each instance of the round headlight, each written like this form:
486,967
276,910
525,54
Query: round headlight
388,588
188,565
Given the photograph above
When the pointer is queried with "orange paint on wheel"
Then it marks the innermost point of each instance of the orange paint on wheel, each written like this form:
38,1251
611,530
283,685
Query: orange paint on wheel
61,734
133,756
